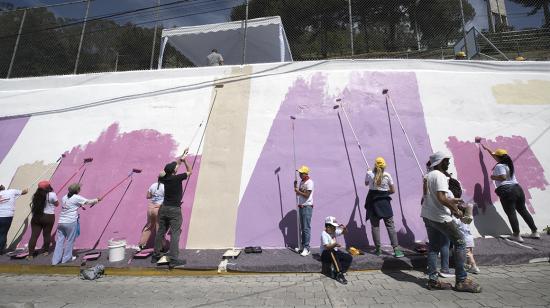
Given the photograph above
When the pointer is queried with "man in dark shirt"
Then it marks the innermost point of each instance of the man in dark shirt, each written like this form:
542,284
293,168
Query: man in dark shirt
170,210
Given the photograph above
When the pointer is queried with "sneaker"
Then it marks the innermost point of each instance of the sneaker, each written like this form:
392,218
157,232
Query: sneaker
176,262
438,285
73,258
516,238
155,258
535,235
446,274
341,279
467,285
398,253
378,251
305,252
474,270
297,250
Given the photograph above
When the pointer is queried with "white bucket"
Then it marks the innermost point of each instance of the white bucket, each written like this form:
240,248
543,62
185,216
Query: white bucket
117,250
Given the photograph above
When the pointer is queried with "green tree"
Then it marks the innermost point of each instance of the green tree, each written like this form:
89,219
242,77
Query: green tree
439,21
536,6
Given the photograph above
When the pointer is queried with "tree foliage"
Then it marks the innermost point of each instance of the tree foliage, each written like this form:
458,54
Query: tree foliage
536,6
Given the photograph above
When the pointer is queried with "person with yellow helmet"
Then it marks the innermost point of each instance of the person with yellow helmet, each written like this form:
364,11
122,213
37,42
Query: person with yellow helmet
304,192
510,193
378,205
461,55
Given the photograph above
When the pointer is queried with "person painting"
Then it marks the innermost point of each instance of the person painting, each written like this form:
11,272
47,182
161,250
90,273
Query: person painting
378,205
510,193
155,195
67,225
437,212
170,211
7,210
44,202
304,192
330,255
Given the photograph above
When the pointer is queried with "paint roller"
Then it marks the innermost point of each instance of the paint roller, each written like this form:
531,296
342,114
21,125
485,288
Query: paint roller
135,170
339,105
388,99
84,162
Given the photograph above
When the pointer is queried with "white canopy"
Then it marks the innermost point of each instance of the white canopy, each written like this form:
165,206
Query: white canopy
265,41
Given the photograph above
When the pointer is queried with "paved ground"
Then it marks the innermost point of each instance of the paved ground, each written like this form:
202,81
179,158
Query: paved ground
518,285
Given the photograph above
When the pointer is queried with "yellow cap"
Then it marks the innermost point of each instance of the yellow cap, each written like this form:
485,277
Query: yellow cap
304,169
354,251
500,152
520,58
461,54
380,162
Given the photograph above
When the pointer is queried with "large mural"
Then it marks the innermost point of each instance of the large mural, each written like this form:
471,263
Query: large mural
243,137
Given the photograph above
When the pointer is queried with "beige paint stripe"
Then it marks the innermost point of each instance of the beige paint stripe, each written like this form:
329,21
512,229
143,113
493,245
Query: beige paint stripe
532,92
25,176
214,215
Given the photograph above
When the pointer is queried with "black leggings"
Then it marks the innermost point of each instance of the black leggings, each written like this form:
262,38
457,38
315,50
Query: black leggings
43,223
512,199
340,260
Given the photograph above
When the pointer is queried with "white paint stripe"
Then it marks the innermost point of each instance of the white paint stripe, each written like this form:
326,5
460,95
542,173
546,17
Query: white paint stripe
520,244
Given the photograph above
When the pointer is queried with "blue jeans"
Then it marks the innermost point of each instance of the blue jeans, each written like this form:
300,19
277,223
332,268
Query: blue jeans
444,251
305,224
5,224
64,242
437,232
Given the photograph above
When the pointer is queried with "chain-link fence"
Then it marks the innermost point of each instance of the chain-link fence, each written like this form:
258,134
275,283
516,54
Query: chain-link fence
97,36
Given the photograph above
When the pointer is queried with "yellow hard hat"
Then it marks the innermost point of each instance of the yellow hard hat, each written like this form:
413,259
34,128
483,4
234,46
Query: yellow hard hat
500,152
380,162
520,58
354,251
461,54
304,169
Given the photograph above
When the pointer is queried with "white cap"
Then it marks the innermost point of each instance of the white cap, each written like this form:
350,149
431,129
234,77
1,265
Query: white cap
331,221
437,157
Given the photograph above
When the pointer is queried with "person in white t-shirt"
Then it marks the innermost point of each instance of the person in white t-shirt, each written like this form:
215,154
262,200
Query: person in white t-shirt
304,192
378,205
67,224
214,58
510,193
155,195
437,211
7,209
330,255
44,202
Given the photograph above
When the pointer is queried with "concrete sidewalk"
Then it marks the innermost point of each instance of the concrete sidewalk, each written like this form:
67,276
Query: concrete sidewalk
503,286
488,251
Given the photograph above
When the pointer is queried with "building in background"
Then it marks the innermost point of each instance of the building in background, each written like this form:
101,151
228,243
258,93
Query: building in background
491,15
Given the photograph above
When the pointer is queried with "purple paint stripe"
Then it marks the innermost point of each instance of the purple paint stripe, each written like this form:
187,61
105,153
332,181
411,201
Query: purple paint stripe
10,130
266,213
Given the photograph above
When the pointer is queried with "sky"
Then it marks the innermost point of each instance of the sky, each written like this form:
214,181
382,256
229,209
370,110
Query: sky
215,11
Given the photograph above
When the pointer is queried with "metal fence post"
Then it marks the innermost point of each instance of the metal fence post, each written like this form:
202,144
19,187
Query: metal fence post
350,27
154,36
464,29
245,30
16,43
81,37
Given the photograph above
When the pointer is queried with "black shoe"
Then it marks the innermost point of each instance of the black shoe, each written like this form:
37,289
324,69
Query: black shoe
155,258
176,262
341,279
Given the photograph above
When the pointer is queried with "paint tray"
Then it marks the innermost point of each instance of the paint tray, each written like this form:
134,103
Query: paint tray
20,255
91,256
231,254
145,253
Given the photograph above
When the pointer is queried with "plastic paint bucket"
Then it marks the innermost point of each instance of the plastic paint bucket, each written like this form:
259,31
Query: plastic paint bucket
117,250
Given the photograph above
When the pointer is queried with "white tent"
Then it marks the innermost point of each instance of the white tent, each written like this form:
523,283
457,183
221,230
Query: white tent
265,41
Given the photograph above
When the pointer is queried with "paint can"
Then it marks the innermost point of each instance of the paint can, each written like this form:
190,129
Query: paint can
117,249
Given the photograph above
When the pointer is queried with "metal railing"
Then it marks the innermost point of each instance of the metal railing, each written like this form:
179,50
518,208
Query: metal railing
84,36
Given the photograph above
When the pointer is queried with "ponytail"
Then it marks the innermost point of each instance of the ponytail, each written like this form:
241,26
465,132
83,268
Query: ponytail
378,175
505,159
39,200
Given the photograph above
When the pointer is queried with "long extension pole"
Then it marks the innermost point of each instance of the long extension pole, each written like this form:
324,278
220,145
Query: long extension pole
394,158
388,99
292,119
339,102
